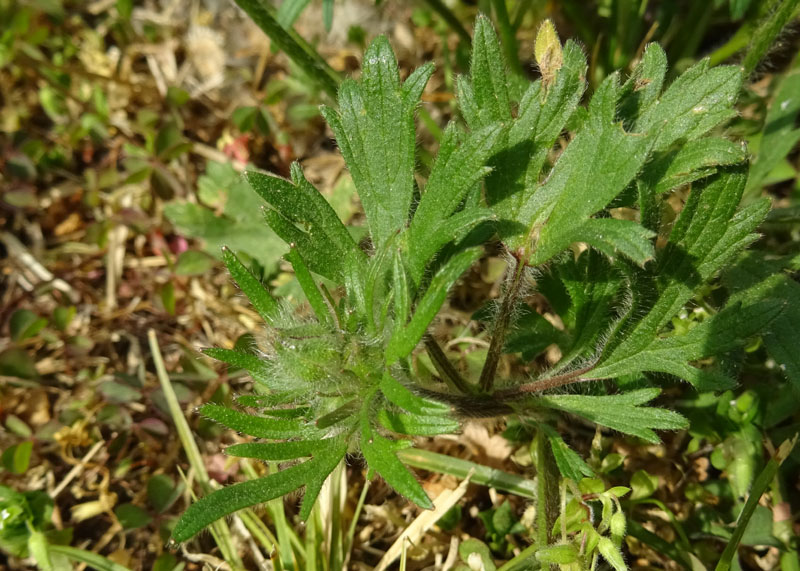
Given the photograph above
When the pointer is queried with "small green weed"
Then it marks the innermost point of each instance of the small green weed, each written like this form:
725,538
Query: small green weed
583,218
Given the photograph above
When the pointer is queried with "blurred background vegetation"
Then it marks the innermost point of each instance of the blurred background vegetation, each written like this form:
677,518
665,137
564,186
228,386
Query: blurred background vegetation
123,131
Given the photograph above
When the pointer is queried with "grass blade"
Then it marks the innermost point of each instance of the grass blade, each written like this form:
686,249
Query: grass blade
221,530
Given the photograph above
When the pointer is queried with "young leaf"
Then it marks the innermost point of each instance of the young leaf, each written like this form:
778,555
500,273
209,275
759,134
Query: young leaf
569,463
700,99
375,132
621,412
488,74
309,286
381,455
396,393
459,166
403,342
598,164
311,473
251,363
258,426
255,291
301,205
414,425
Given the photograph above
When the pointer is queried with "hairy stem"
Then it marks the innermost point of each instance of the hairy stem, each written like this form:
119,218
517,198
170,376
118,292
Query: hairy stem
780,13
501,328
545,384
445,368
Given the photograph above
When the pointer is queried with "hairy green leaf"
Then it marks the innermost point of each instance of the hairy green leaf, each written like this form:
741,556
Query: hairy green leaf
543,112
614,237
730,328
593,287
459,166
309,286
532,334
621,412
403,342
258,426
259,296
304,218
693,161
700,99
708,234
311,473
598,164
381,455
375,132
396,393
415,425
569,463
251,363
644,84
488,74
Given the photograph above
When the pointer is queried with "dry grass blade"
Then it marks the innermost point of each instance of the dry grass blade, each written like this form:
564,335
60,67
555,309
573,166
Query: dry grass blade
424,521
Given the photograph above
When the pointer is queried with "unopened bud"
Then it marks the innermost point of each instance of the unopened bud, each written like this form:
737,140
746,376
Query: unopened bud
547,51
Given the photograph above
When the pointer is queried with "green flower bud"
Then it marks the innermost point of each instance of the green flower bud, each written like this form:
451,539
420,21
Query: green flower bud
547,51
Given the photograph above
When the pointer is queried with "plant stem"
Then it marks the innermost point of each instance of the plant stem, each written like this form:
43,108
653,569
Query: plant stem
483,475
445,368
447,15
501,328
781,11
292,45
545,384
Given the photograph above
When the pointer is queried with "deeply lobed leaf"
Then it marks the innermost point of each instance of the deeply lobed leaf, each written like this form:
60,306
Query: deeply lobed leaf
374,128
